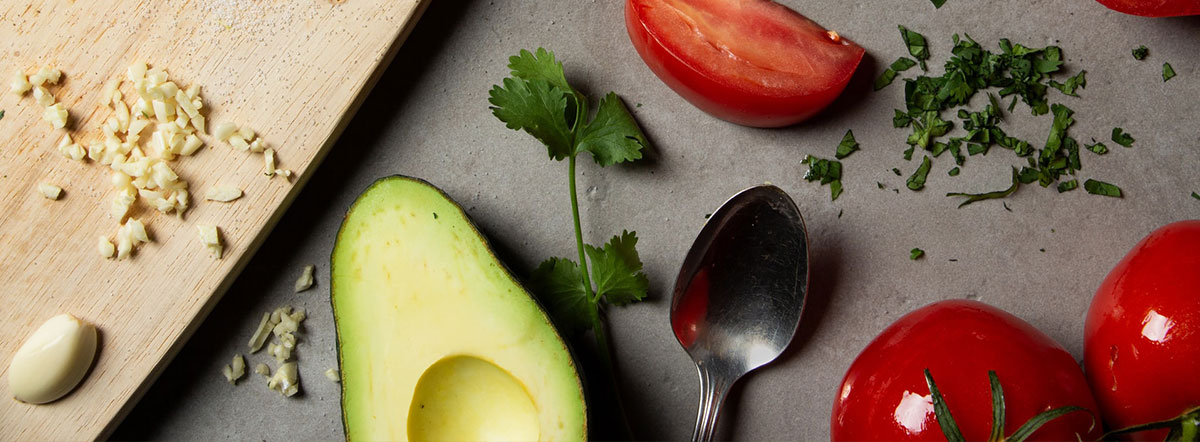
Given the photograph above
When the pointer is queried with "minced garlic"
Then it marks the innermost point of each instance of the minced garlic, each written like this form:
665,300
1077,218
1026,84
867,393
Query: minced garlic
211,238
305,281
105,247
286,380
332,374
49,190
223,194
56,115
262,369
20,84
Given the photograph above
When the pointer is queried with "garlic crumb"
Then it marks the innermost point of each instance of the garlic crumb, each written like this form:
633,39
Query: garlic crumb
105,247
223,193
211,238
332,374
49,191
305,281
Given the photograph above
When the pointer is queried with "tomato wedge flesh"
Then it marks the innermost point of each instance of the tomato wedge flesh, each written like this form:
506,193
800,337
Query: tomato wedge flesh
1154,8
753,62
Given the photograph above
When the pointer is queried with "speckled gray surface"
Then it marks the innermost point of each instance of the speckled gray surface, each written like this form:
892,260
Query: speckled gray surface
428,118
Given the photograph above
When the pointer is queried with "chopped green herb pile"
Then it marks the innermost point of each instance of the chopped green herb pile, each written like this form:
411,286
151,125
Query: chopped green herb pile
1168,72
915,254
1101,188
1018,72
537,99
1140,52
1119,136
847,146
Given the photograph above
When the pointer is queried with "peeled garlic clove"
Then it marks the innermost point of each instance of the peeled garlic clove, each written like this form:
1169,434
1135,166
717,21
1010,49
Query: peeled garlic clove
53,360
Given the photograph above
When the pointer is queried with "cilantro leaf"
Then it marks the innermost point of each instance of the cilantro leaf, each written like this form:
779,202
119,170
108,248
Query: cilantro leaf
953,172
1067,186
612,136
976,197
900,65
937,4
618,270
827,171
886,78
1140,52
1119,136
1168,72
1095,187
917,45
848,145
542,66
1079,81
915,254
1196,195
917,180
536,107
1097,148
559,286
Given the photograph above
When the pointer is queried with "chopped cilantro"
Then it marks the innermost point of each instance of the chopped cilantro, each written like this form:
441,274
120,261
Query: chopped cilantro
1101,188
1168,72
827,171
976,197
847,146
915,254
917,47
1140,52
1119,136
917,180
1079,81
1,115
1196,195
900,65
1067,186
953,172
1097,148
937,4
881,186
896,171
901,119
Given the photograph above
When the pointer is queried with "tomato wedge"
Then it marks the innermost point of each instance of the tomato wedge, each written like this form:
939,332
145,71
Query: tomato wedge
1154,8
750,62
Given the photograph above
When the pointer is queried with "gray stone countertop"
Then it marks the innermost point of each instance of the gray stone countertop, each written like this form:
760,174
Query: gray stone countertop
428,117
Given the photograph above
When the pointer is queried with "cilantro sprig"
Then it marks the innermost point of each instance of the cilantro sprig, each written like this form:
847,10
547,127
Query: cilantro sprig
537,99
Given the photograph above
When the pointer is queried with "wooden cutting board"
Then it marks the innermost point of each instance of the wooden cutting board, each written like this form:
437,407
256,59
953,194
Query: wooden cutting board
293,70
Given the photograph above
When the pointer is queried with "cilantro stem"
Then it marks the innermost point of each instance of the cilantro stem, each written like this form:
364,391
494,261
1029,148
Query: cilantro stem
583,264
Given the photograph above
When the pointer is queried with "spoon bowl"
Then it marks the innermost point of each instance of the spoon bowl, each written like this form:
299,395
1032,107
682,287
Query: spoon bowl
740,293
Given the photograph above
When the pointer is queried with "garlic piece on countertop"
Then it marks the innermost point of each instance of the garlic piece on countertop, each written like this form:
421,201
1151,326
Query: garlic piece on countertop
49,191
305,281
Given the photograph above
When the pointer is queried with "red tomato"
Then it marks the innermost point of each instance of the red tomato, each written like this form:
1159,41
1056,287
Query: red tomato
1142,335
751,62
1154,8
884,395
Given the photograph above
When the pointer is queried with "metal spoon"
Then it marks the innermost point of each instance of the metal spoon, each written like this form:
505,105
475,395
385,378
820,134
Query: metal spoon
740,292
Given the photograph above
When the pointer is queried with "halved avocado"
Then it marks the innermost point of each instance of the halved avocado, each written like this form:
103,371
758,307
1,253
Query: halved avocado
436,339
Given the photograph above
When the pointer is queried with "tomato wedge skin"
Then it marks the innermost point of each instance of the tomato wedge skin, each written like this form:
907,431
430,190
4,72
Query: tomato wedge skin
1154,8
884,395
740,94
1142,334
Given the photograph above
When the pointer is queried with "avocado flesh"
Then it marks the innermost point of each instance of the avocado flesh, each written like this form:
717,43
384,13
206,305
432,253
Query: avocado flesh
436,339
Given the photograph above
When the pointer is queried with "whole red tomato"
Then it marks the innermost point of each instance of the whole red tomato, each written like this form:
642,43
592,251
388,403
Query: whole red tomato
1154,8
1142,335
751,62
884,395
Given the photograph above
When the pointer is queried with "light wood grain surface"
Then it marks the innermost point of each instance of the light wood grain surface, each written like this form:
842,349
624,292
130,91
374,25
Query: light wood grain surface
292,70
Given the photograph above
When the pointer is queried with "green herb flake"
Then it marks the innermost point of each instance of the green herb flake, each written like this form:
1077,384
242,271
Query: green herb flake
1067,186
1,115
900,65
1119,136
1196,195
1168,72
1140,52
896,171
917,180
915,254
976,197
847,146
917,46
953,172
937,4
1095,187
827,172
1097,148
1079,81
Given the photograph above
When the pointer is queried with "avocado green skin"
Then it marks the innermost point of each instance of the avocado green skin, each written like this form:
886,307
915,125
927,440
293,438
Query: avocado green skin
487,245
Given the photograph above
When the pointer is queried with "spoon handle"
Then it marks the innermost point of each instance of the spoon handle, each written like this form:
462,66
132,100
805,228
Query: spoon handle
714,385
